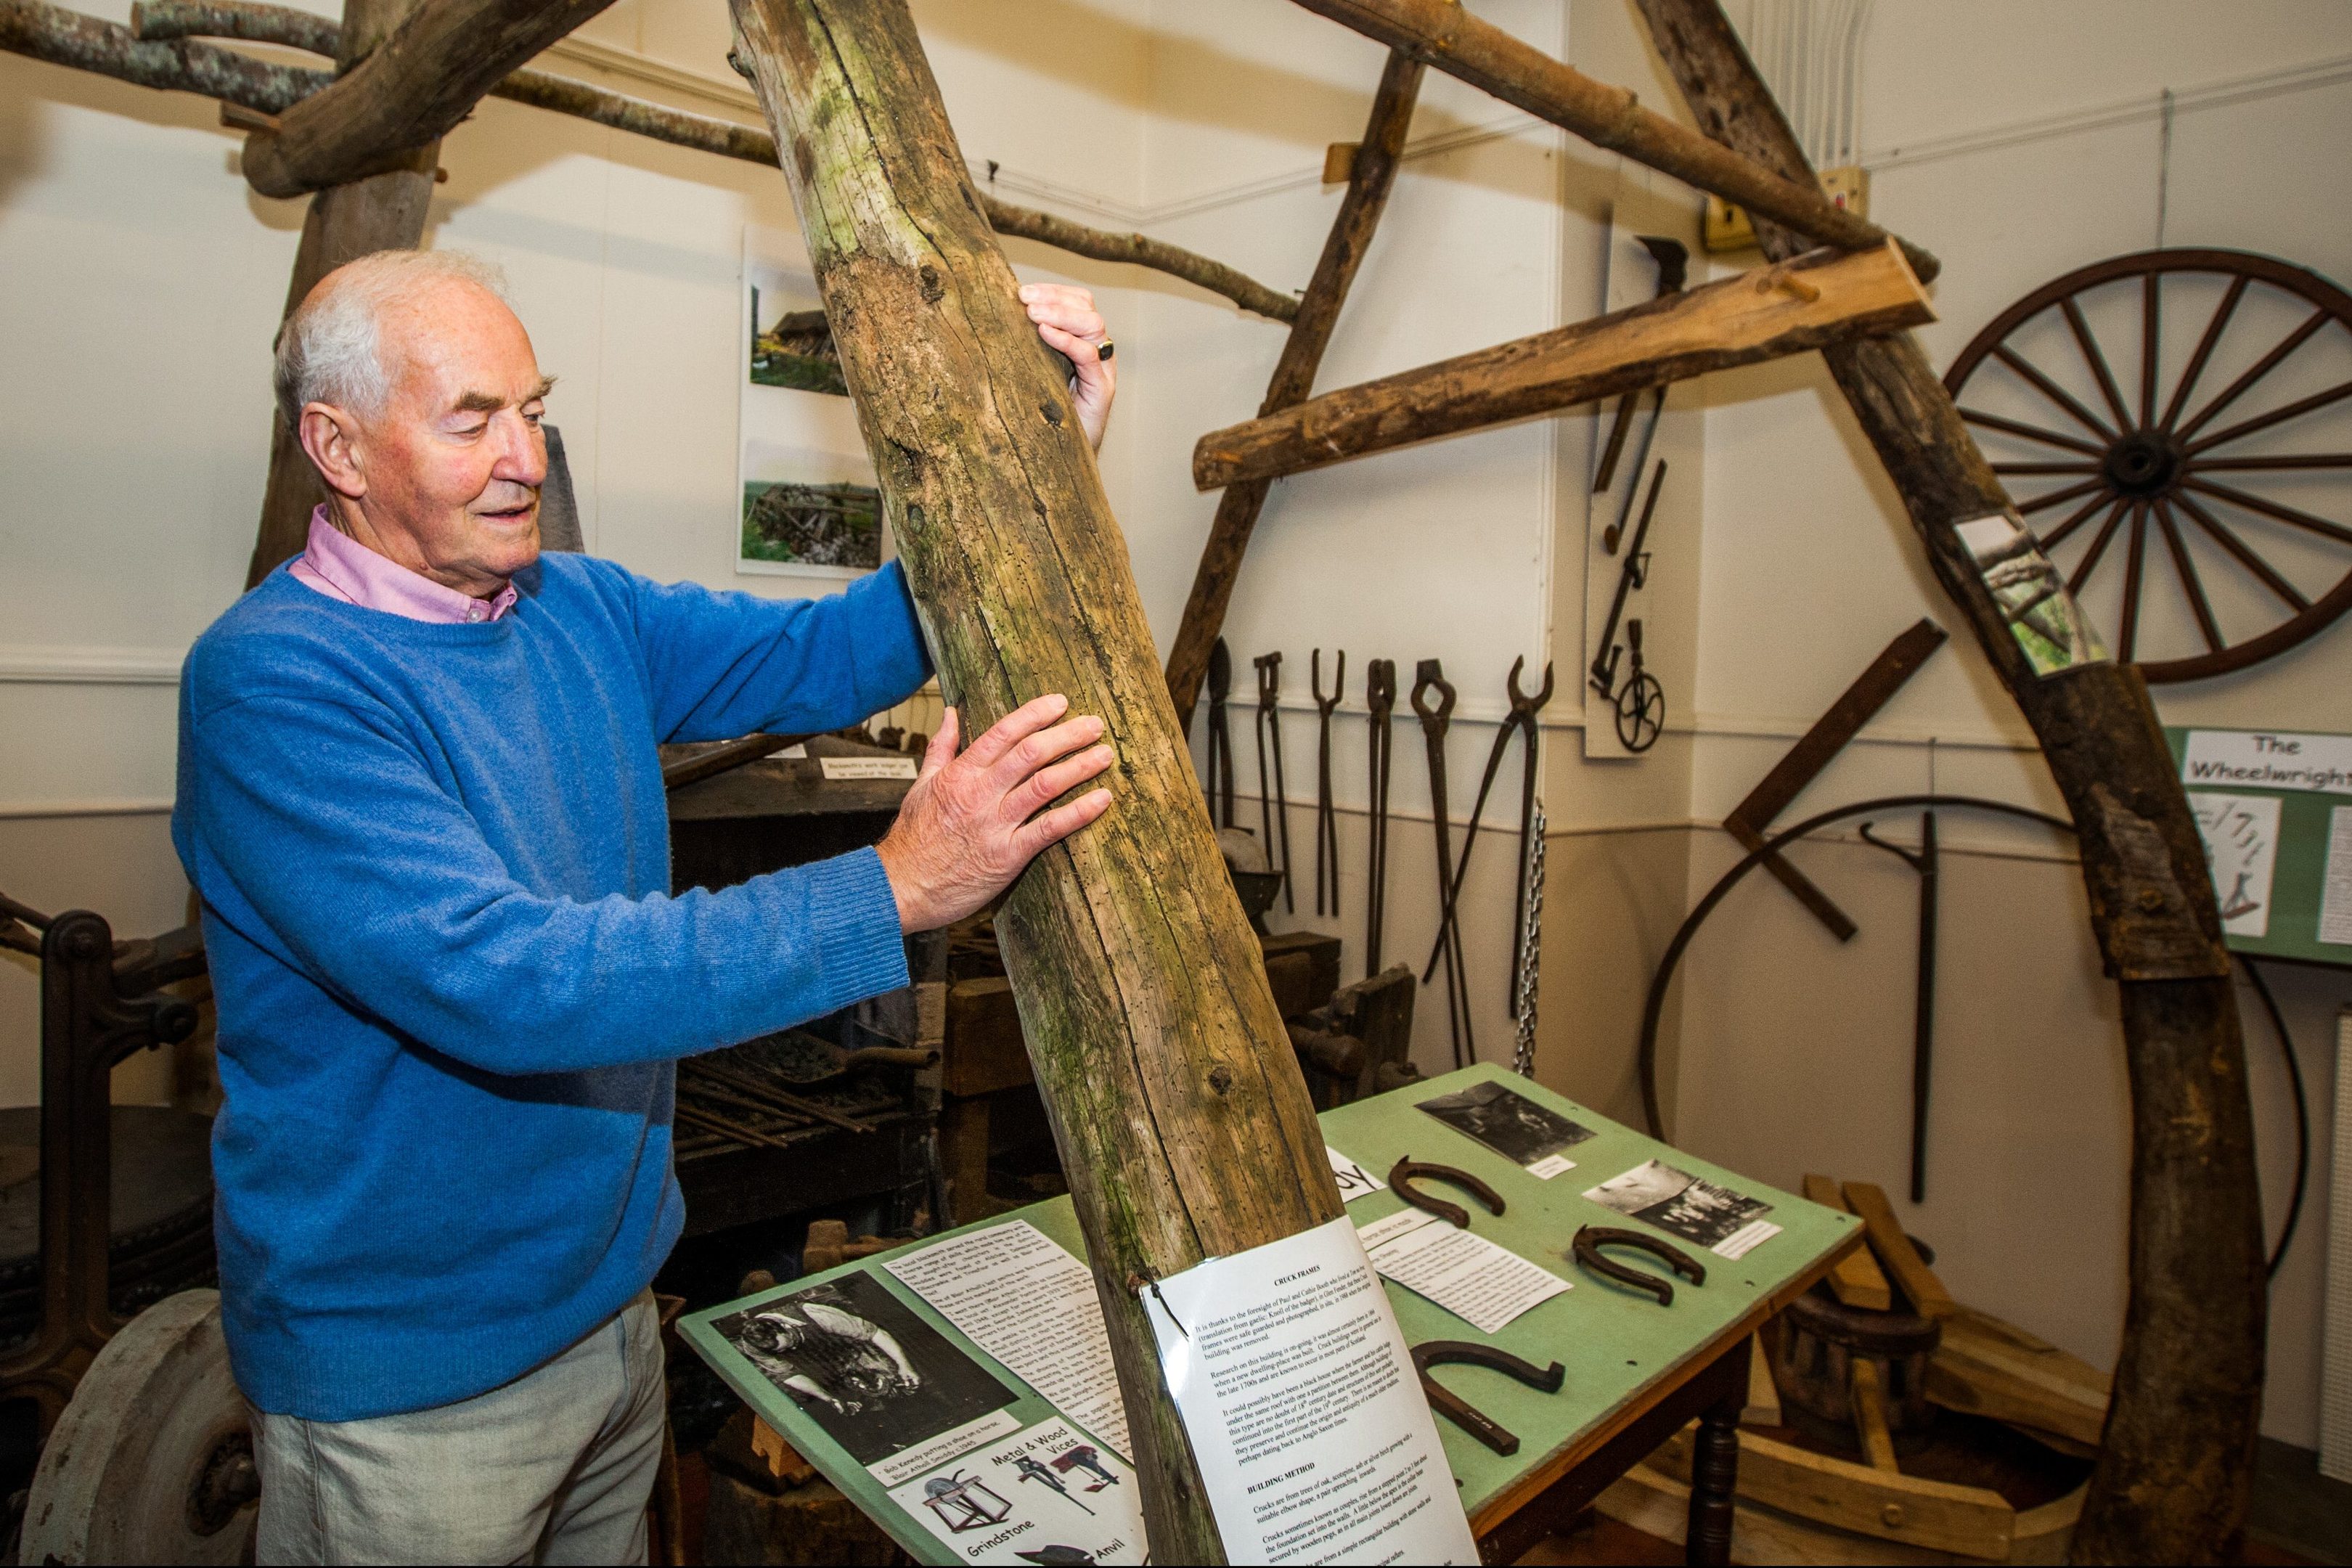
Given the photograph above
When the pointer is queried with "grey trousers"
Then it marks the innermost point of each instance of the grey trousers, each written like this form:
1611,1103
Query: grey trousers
554,1468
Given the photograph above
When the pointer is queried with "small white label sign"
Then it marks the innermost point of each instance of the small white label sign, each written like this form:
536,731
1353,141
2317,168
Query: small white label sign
1355,1182
2268,759
839,768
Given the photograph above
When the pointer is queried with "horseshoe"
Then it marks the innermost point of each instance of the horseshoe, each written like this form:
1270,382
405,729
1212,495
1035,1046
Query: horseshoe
1593,1237
1400,1179
1460,1411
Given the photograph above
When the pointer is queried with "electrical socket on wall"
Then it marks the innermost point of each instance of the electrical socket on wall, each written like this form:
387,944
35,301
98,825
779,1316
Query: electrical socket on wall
1726,227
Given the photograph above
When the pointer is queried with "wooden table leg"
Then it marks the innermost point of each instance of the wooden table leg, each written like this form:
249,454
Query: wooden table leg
1714,1465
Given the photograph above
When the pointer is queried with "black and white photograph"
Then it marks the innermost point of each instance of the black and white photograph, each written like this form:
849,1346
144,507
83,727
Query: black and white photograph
1507,1121
1678,1202
860,1363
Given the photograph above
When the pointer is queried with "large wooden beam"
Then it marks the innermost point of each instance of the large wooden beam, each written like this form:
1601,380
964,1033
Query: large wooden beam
1821,298
384,210
1172,1090
1369,179
423,79
2174,1473
1440,33
64,37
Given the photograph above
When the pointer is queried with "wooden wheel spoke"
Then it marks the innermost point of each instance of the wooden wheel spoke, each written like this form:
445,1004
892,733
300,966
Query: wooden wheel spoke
2096,360
2134,566
2189,584
2295,410
2272,508
2148,346
2059,535
2260,368
2053,391
2059,498
2301,460
2227,538
2031,432
2222,314
2084,567
2045,467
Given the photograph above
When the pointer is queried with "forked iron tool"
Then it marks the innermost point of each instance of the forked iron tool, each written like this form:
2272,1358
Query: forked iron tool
1380,702
1217,769
1274,808
1428,676
1521,722
1327,816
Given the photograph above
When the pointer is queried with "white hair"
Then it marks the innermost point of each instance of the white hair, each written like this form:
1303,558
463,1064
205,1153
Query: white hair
328,350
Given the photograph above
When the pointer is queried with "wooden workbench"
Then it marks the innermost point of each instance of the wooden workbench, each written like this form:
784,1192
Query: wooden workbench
1637,1373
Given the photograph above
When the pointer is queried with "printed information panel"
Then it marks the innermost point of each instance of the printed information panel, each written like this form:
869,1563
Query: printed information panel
1299,1397
2268,803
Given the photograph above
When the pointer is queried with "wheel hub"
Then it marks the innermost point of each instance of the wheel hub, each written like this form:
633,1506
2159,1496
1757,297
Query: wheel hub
2142,464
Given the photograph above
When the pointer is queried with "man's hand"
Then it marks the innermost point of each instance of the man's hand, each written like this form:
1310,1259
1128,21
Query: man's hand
972,822
1067,320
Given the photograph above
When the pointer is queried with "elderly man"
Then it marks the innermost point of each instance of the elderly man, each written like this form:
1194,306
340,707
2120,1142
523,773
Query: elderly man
420,799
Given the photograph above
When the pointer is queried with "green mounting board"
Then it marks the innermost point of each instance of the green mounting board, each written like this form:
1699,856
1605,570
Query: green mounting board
1617,1344
2269,802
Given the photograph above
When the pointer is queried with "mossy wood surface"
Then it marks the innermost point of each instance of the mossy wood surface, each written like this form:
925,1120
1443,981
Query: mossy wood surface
2175,1474
1173,1093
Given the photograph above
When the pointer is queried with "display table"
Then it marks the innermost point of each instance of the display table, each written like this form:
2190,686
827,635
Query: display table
1637,1372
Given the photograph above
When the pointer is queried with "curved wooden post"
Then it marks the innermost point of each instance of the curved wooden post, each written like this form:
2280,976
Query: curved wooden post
2176,1469
1173,1092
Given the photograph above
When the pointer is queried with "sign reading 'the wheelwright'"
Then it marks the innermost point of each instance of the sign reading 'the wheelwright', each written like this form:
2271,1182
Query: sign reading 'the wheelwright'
2258,759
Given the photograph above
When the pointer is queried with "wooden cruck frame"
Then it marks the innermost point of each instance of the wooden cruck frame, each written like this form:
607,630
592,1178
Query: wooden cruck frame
1165,1068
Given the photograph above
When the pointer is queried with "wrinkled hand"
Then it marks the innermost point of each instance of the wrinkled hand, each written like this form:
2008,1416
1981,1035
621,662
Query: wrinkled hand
972,822
1066,319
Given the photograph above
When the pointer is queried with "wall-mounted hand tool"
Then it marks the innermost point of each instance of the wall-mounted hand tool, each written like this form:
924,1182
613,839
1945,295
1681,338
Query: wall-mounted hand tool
1523,995
1926,863
1327,817
1276,807
1592,1238
1428,676
1460,1411
1405,1172
1640,700
1380,703
1673,269
1217,768
1521,722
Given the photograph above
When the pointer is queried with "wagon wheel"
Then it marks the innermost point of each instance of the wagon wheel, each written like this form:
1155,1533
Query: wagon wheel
2158,499
1641,711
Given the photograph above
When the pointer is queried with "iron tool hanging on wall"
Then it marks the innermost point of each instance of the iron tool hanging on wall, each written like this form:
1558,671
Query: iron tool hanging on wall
1925,862
1674,268
1428,676
1520,721
1640,700
1276,807
1327,817
1380,703
1217,769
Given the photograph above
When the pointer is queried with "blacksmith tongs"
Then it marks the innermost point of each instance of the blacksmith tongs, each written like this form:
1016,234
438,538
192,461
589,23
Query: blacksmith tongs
1460,1411
1592,1238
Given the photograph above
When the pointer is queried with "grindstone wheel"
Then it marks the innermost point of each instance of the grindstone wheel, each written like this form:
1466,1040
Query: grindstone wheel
152,1461
1640,712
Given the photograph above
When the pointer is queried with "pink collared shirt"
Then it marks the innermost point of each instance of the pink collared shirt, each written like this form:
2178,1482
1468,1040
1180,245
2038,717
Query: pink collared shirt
341,567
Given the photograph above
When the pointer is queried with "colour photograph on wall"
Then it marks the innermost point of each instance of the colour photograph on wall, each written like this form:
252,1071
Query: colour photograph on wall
809,503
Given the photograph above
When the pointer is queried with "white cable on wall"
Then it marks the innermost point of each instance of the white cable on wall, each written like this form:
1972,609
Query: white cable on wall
1810,52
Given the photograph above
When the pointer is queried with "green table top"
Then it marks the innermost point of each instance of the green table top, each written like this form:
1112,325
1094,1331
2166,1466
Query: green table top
1621,1349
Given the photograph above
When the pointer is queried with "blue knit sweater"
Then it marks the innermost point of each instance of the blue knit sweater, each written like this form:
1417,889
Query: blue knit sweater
452,979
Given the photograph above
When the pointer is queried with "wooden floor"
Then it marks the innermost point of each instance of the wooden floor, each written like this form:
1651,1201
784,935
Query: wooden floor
1598,1539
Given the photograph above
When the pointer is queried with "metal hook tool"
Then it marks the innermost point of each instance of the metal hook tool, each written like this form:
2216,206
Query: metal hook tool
1927,864
1592,1238
1428,676
1217,768
1379,701
1402,1174
1460,1411
1327,816
1521,720
1275,807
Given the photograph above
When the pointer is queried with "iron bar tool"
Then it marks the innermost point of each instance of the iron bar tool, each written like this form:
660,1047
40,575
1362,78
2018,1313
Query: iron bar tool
1673,269
1327,816
1379,704
1217,769
1274,808
1927,863
1428,676
1521,720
